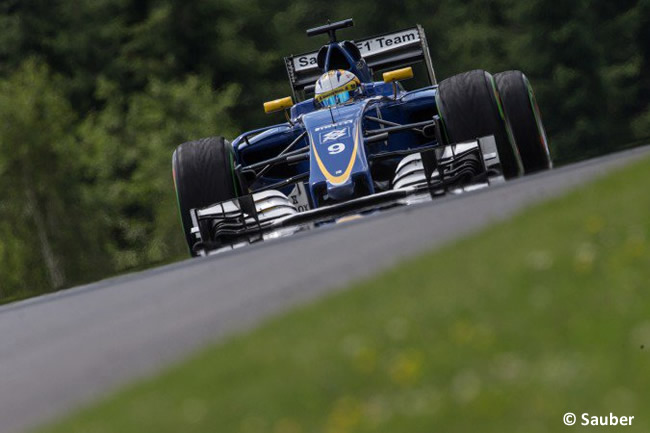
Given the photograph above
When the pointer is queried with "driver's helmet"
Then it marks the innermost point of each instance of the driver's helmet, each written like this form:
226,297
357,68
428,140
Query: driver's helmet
336,87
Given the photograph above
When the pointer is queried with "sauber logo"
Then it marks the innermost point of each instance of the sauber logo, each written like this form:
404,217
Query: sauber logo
334,135
368,47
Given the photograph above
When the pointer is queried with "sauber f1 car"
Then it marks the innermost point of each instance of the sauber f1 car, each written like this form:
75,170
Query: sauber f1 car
352,145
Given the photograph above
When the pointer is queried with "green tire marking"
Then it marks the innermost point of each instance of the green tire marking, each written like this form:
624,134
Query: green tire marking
178,204
442,117
511,136
538,119
232,173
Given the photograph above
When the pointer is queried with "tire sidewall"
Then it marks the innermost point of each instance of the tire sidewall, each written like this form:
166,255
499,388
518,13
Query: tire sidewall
203,174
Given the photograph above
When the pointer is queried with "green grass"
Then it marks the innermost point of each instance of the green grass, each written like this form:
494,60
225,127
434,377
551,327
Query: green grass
502,332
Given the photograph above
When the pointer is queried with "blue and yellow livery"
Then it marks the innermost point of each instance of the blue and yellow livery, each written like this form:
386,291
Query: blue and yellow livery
354,143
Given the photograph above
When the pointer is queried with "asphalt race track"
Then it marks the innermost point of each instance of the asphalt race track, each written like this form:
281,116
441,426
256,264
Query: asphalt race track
63,350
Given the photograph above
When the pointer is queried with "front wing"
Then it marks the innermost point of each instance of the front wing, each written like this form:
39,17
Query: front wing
419,177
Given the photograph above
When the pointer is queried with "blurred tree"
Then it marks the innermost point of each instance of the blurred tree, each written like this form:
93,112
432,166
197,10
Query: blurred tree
36,151
127,158
641,105
562,57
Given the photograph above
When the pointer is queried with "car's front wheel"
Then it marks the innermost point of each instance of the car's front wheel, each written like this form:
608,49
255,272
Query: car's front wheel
203,175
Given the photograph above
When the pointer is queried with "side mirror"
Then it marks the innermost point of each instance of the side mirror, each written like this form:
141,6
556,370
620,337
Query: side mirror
278,104
398,74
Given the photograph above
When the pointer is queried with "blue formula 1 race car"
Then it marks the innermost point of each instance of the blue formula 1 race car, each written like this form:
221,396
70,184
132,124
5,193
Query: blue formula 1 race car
353,146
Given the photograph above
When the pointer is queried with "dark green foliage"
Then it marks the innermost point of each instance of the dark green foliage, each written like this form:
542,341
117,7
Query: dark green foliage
96,94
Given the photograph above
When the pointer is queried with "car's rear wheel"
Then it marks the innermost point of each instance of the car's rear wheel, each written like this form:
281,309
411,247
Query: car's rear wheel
470,107
526,121
203,175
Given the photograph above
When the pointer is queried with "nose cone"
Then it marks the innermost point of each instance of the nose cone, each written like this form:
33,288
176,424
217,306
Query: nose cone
341,192
338,159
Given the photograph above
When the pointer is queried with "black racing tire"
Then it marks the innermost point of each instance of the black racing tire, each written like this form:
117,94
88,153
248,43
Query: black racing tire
203,175
526,120
470,107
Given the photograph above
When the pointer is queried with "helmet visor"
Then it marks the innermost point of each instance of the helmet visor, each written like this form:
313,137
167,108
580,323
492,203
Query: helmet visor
339,98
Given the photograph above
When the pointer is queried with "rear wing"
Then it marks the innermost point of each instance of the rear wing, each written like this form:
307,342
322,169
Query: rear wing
389,50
